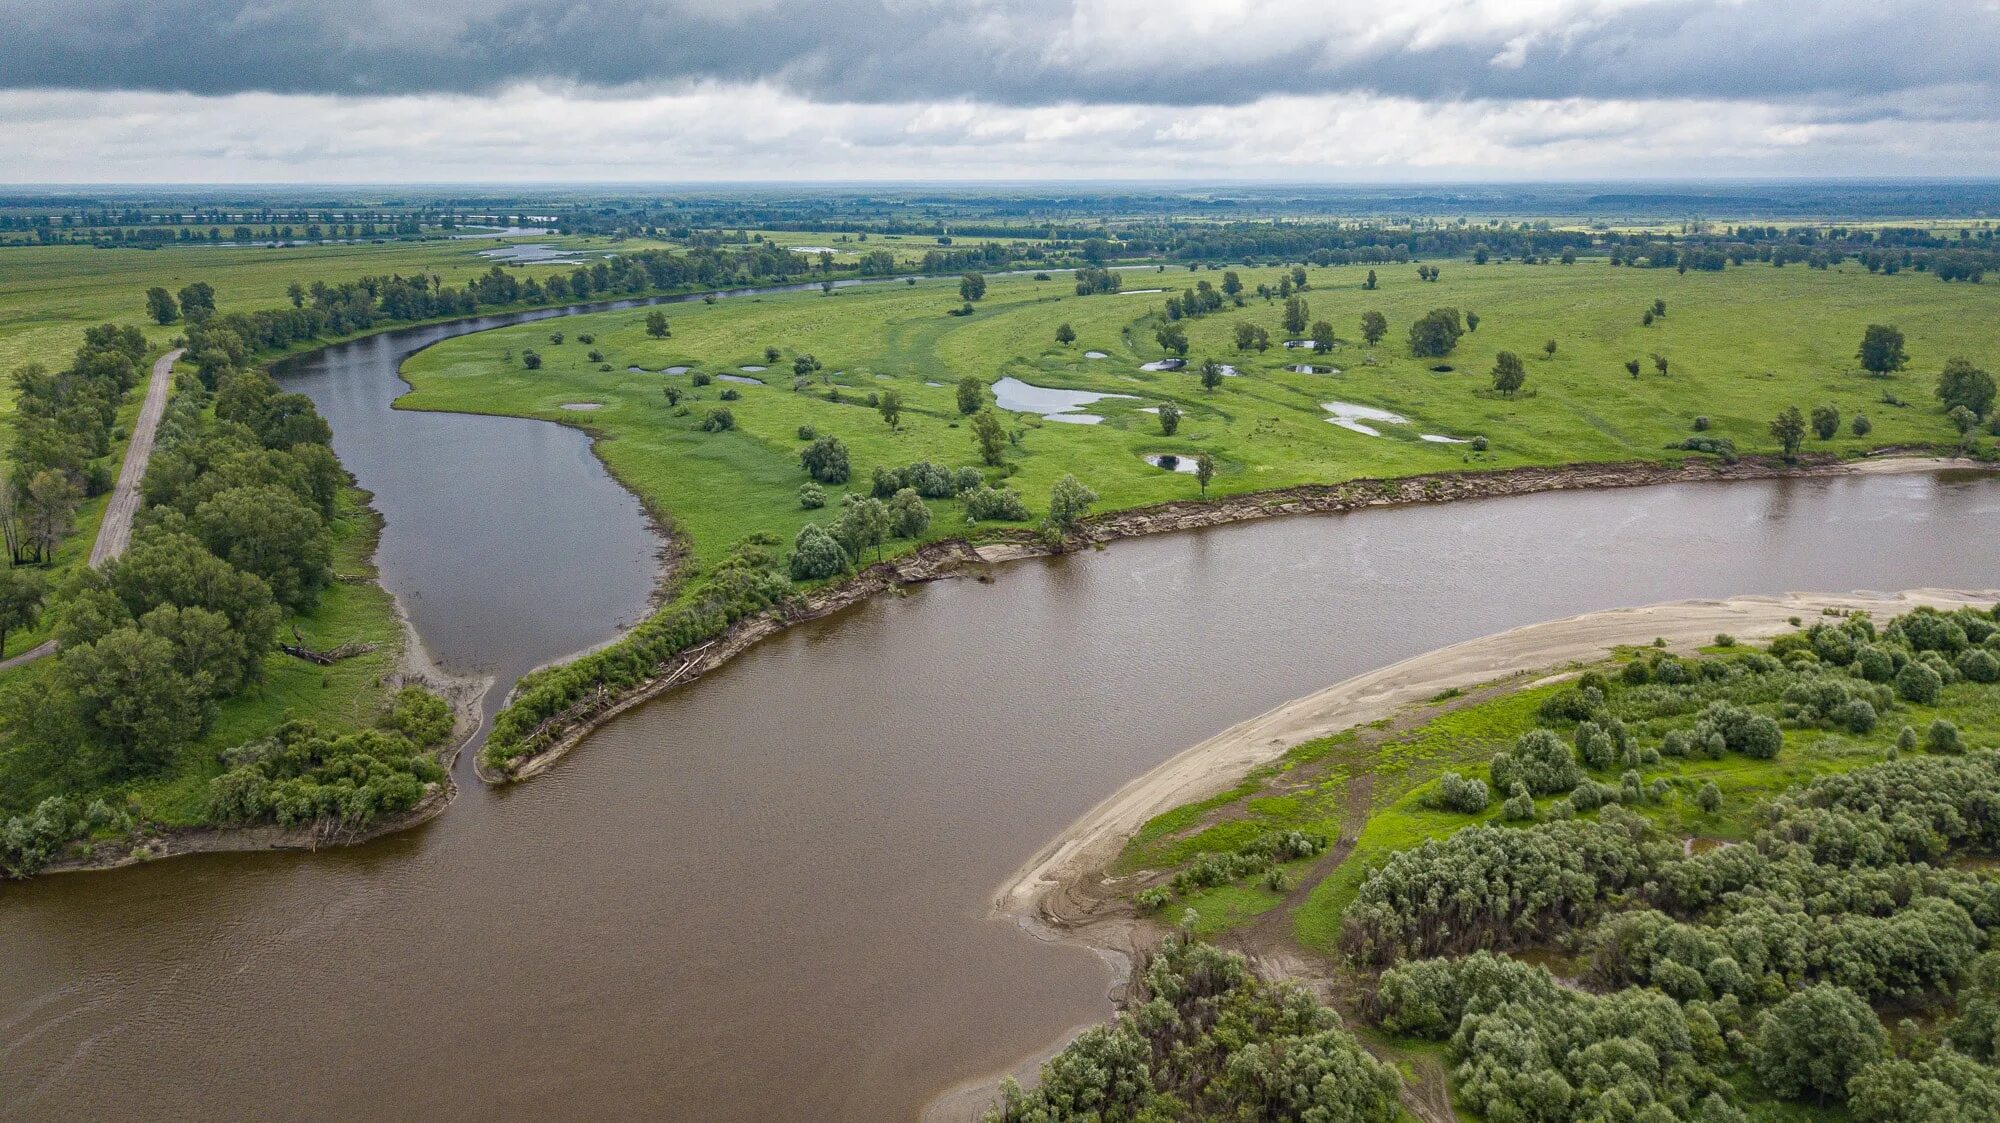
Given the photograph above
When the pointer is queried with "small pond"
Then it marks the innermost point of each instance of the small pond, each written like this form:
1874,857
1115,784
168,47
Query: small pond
744,379
1308,368
1052,404
1353,417
676,370
750,369
532,253
1171,462
1164,364
1095,355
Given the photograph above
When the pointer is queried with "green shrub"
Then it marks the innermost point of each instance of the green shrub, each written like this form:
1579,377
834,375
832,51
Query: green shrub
1918,683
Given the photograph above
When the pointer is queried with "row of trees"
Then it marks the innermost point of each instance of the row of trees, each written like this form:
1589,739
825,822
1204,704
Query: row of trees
235,534
63,431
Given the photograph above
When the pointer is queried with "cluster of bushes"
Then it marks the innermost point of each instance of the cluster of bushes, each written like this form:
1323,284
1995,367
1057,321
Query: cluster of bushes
750,579
63,428
931,481
1763,956
1091,280
302,775
30,841
1214,867
1207,1039
1713,446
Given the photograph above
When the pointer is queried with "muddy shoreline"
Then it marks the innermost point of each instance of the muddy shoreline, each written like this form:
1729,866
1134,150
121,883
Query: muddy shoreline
955,557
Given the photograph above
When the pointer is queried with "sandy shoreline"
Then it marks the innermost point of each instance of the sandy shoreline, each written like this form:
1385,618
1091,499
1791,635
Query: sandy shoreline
1051,895
1034,894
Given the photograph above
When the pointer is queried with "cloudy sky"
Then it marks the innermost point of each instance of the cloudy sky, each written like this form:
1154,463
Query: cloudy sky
1294,90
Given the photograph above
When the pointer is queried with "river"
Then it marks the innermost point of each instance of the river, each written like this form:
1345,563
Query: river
764,896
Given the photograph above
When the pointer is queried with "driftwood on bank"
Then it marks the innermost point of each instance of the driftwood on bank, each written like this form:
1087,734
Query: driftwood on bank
328,658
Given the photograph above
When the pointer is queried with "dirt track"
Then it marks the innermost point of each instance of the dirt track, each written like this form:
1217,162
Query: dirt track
115,532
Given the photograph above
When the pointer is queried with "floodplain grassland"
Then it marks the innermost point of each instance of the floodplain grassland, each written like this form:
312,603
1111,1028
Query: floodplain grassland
1740,346
50,294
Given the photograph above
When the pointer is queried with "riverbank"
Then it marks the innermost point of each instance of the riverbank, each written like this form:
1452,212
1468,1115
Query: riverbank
954,557
1068,893
1059,889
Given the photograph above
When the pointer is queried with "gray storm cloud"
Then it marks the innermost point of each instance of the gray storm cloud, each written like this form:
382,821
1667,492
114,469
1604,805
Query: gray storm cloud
1023,53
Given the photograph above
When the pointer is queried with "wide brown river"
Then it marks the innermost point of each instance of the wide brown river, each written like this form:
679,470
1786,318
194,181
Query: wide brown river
764,896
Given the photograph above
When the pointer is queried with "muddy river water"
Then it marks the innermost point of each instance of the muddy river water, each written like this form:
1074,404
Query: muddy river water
764,896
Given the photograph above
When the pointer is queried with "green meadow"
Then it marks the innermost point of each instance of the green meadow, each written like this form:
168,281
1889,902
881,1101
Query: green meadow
1740,346
49,294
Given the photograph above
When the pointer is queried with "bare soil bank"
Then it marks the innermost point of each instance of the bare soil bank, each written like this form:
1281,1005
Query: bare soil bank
953,557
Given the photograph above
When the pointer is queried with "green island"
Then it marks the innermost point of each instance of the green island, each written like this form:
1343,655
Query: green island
1749,881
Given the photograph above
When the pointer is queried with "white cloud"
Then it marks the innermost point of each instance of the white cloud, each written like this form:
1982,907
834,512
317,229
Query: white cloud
724,132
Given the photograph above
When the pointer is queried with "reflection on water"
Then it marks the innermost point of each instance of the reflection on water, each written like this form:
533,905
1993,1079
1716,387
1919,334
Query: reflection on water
1054,405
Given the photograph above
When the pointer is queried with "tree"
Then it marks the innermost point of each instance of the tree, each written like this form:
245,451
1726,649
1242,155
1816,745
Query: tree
908,517
1065,334
1172,339
891,406
971,395
1660,364
48,508
1295,315
1170,420
135,709
296,293
1825,422
1246,335
1509,373
1881,352
1204,471
863,522
656,324
971,287
161,307
1471,321
718,420
815,554
1963,384
1632,367
1789,428
197,301
1322,336
1435,334
1549,349
267,531
1370,282
1232,286
21,595
1374,325
990,436
531,359
1211,375
1965,421
1069,501
1860,426
1811,1044
1660,309
825,460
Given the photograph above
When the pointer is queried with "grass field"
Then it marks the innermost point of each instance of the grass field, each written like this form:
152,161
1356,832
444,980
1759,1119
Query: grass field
1741,345
49,294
